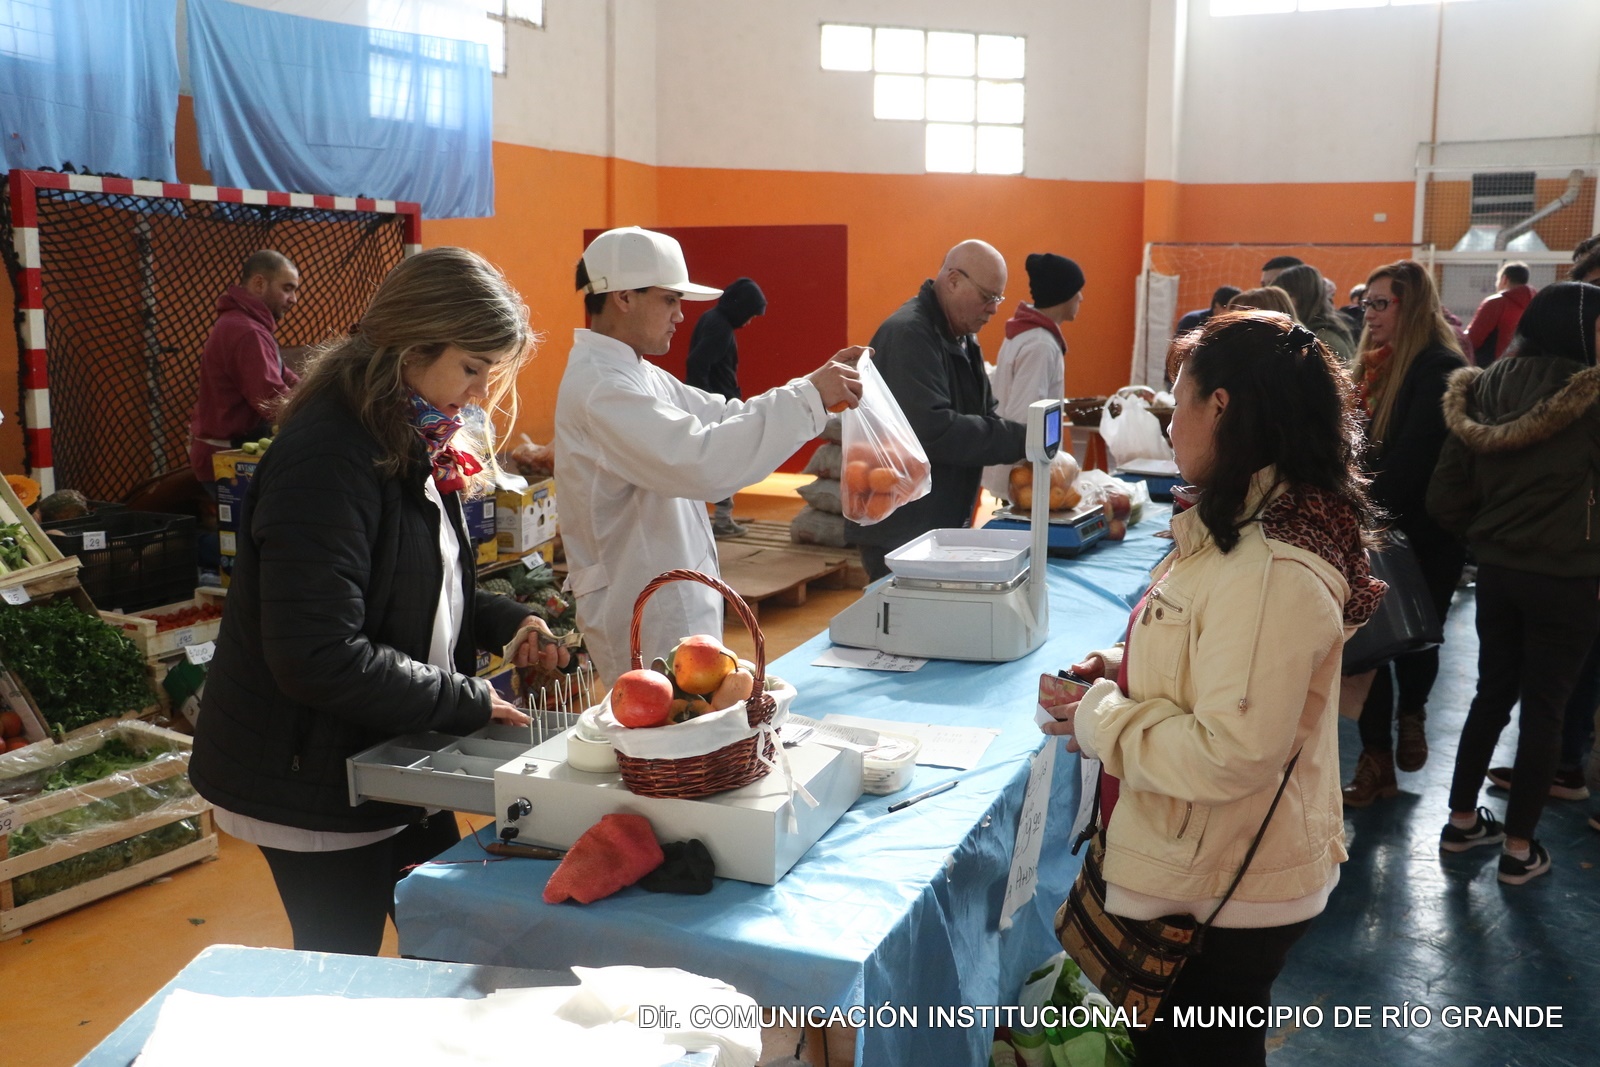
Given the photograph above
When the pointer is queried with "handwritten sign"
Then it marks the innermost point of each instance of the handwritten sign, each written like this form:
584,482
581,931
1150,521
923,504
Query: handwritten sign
93,539
201,653
15,594
1024,877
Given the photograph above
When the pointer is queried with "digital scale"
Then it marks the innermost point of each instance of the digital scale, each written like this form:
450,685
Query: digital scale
1070,531
966,594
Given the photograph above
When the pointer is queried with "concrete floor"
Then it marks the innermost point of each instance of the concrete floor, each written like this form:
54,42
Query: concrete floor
1406,927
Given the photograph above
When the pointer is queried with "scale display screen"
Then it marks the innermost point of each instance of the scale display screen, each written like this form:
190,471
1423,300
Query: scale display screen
1052,429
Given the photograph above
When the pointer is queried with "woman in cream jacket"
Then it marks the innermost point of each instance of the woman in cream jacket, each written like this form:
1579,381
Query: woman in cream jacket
1230,668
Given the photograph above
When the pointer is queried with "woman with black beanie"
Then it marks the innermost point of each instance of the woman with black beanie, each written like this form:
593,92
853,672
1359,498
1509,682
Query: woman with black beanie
1518,479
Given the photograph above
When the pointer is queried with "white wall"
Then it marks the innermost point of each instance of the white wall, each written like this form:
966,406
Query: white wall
741,85
1347,95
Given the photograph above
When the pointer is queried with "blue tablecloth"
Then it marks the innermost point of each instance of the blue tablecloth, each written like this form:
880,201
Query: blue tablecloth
900,908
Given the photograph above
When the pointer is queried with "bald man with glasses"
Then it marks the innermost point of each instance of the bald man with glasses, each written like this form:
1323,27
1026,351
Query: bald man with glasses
929,356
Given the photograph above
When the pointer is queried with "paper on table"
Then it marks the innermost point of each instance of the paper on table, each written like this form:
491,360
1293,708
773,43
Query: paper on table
870,743
960,747
1024,877
868,659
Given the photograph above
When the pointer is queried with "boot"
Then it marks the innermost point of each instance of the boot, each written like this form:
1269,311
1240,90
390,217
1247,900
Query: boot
1412,750
1374,779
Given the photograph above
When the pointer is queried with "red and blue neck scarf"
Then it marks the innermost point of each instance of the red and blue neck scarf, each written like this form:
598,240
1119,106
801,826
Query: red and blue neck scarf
451,466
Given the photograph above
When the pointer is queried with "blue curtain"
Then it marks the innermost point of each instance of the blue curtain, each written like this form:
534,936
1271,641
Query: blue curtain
93,83
304,105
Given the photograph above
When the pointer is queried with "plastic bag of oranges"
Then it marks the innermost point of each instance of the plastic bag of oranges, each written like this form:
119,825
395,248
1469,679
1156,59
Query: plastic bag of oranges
884,464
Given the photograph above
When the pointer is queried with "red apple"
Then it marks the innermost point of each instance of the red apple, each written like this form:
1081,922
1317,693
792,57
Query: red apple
700,663
1121,503
642,698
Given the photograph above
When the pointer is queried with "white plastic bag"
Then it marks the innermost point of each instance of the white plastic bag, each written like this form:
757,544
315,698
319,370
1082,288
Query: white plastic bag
1133,433
884,464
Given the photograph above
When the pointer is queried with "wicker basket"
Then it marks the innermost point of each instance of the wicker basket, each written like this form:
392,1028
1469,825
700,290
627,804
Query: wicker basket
1084,410
729,767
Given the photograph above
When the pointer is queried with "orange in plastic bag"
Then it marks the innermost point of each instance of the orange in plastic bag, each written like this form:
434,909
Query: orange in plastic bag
884,464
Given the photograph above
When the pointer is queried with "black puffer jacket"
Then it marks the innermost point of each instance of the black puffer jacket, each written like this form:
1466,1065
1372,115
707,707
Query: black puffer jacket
940,383
324,643
1402,465
1519,476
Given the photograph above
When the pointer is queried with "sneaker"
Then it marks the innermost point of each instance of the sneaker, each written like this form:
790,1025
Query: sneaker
722,530
1566,785
1515,872
1411,751
1486,831
1374,779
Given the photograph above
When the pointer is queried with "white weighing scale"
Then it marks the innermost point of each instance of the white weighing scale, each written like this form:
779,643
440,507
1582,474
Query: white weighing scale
966,594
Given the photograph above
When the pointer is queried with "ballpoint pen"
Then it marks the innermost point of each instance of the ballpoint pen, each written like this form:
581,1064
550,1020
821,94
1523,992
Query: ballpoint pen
935,791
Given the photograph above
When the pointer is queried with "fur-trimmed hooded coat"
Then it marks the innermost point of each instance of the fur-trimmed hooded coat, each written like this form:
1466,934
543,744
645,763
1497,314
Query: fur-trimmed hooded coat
1519,473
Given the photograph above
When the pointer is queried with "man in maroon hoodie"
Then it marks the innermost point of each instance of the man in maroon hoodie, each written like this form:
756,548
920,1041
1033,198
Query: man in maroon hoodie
241,370
1496,318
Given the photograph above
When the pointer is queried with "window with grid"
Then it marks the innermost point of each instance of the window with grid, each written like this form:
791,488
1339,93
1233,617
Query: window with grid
480,21
965,88
27,29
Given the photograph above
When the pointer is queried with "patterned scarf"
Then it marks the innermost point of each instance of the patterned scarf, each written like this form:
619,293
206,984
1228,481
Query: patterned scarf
1373,366
451,466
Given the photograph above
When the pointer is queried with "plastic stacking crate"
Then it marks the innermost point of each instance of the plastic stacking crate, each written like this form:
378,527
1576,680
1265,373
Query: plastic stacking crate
131,560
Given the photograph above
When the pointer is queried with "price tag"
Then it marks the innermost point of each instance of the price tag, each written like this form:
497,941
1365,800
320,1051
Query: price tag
533,561
201,653
1024,877
185,637
8,823
15,594
93,539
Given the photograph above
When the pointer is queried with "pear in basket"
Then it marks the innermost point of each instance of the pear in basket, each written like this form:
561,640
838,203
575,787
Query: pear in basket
699,663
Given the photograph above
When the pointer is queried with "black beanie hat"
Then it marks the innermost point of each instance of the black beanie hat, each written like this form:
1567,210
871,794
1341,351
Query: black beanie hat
1052,279
1559,321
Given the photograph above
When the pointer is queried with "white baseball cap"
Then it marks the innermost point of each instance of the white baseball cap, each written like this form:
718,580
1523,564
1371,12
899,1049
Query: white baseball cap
631,258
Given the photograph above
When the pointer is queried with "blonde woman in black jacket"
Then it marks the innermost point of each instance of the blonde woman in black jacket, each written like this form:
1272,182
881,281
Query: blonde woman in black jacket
1518,479
1407,351
353,615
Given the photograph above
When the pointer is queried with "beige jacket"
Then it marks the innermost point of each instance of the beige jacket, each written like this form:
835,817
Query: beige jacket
1234,666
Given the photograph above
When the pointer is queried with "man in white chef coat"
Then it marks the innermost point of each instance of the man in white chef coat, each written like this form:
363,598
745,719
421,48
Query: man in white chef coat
638,453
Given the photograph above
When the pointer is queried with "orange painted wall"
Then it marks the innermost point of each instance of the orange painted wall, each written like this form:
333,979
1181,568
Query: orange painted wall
899,228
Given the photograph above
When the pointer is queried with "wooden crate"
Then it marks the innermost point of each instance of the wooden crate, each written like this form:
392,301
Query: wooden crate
16,815
142,627
45,579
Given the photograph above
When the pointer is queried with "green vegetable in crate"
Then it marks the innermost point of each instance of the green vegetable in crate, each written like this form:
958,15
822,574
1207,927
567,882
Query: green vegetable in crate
78,669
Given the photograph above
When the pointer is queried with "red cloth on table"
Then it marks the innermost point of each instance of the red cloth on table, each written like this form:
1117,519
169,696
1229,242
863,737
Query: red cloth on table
612,854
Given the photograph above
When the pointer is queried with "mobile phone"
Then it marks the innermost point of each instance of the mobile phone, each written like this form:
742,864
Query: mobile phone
1062,687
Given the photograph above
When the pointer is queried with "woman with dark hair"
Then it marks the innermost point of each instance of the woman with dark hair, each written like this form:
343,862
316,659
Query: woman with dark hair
1407,350
1518,479
353,615
1313,306
1228,679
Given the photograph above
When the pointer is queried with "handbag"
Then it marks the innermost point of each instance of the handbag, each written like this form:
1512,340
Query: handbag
1406,620
1134,962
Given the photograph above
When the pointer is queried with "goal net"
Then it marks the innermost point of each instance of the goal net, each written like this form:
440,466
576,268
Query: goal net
116,286
1180,278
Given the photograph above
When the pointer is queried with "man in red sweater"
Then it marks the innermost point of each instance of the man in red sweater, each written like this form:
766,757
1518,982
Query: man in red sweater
242,375
1497,317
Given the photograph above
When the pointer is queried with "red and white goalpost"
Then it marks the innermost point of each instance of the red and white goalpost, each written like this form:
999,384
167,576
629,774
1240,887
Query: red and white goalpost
116,284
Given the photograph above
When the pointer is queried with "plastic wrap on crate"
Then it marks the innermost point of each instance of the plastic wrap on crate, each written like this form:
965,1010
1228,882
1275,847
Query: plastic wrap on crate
85,830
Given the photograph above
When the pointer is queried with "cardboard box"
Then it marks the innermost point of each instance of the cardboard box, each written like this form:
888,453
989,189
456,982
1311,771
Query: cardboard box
524,518
234,470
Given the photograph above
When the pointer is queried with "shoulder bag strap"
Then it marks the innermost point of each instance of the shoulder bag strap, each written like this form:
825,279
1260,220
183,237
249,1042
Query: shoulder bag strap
1248,856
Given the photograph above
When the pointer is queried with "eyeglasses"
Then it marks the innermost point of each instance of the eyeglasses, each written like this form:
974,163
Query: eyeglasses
1378,304
988,298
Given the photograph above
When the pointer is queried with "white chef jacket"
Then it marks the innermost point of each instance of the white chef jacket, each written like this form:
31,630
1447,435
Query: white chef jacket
638,453
1030,366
